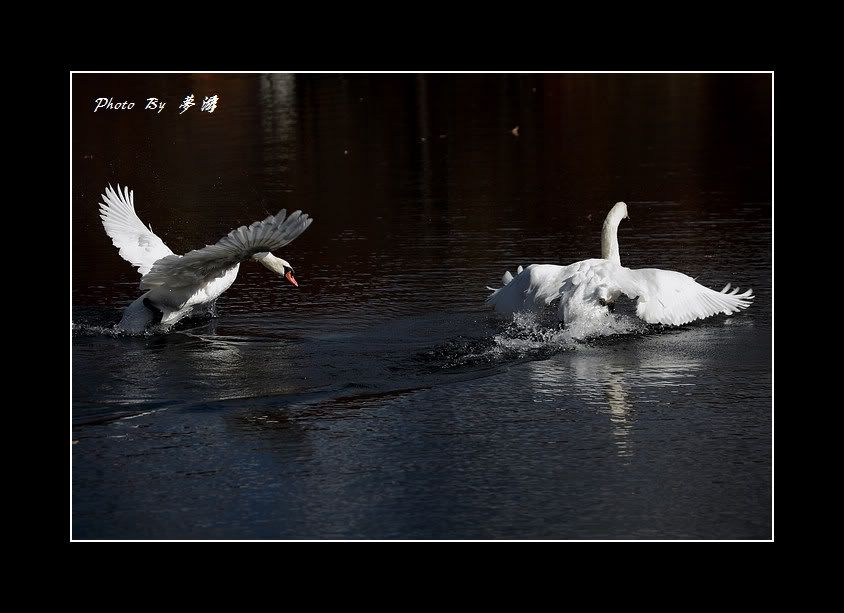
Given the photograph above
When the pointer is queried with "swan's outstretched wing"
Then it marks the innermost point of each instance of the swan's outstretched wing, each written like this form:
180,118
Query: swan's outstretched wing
532,289
138,245
584,288
672,298
196,266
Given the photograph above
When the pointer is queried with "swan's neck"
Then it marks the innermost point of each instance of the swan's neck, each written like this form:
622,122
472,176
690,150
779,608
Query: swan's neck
270,261
609,240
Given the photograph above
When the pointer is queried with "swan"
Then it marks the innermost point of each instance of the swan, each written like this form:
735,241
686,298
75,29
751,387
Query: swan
589,288
179,285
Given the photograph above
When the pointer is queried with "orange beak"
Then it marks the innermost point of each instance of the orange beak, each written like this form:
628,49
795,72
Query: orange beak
289,276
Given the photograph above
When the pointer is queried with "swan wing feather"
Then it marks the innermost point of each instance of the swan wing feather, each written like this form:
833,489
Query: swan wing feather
196,266
672,298
532,289
137,244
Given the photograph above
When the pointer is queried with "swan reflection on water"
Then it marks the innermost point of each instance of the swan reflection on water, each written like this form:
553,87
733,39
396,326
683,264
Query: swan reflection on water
200,365
616,386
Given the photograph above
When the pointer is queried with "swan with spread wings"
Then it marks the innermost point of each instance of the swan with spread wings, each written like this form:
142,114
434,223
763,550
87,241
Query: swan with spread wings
179,285
589,288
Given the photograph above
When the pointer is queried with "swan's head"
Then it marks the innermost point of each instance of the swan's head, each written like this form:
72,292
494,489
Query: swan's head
277,265
619,211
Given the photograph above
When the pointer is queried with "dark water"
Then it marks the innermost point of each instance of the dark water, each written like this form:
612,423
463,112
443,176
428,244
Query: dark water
381,399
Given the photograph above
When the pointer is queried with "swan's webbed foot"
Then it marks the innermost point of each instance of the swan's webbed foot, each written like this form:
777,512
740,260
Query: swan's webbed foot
212,308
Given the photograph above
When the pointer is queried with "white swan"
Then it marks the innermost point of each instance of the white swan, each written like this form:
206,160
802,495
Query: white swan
178,285
589,288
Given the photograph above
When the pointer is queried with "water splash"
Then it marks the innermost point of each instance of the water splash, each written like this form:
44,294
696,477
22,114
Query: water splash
532,336
610,324
83,329
529,332
80,329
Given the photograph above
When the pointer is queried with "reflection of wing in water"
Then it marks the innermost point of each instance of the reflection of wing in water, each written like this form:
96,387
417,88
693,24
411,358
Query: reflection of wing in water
615,384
